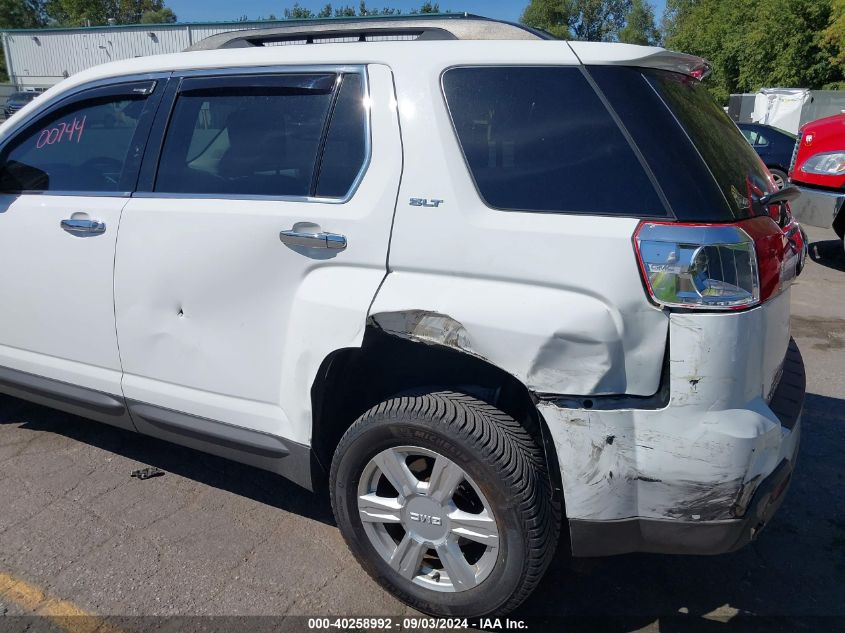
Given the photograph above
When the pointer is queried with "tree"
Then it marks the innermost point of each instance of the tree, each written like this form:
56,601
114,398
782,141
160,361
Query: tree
98,12
19,14
347,11
674,13
593,20
162,16
639,25
758,43
429,7
297,12
834,35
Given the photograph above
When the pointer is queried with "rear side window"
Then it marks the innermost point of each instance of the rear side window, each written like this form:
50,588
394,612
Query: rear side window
346,143
540,139
264,135
83,147
735,166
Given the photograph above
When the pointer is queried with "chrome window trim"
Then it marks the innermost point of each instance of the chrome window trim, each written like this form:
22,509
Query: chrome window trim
85,194
209,72
270,69
276,69
234,196
10,134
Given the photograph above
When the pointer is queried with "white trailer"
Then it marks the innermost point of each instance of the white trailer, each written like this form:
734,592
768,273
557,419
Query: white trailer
787,108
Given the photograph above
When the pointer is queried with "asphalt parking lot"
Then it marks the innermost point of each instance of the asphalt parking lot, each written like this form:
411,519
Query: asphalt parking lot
215,538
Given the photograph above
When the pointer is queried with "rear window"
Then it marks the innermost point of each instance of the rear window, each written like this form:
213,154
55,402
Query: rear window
695,151
736,167
540,139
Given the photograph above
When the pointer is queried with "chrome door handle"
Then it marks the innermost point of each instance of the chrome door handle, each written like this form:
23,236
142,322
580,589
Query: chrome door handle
84,227
321,239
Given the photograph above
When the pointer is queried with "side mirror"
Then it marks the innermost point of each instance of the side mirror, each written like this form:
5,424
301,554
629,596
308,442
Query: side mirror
16,177
789,192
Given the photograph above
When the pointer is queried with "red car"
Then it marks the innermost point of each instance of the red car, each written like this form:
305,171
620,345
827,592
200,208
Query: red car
818,168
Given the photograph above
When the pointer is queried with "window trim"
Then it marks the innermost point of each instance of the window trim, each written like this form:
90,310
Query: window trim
69,97
668,213
150,164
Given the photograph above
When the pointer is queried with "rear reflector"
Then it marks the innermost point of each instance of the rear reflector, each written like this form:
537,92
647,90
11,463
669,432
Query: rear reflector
711,266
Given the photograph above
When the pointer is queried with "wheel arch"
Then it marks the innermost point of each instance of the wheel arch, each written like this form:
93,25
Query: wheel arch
350,381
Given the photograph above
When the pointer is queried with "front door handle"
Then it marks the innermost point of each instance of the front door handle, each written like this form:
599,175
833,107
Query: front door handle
84,227
311,236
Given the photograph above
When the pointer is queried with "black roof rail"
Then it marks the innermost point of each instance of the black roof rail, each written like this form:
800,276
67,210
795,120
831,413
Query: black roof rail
440,26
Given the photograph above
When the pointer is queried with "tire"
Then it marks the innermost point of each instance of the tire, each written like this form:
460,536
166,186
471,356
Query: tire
780,176
427,530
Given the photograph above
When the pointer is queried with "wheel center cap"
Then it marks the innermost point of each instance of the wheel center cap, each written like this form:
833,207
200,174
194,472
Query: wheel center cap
426,518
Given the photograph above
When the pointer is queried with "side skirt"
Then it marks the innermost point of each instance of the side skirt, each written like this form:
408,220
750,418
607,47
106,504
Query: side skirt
289,459
81,401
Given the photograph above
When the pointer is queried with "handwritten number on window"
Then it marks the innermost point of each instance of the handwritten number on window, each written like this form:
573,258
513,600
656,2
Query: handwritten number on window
61,132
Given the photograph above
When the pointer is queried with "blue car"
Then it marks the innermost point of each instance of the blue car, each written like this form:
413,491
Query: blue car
773,145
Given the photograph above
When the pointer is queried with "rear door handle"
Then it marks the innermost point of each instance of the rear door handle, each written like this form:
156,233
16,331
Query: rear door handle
318,239
84,227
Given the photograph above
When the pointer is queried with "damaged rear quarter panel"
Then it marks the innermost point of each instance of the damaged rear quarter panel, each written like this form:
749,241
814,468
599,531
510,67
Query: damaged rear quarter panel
555,340
555,299
696,458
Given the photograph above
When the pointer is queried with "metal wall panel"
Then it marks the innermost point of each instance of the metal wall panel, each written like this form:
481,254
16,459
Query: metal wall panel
44,57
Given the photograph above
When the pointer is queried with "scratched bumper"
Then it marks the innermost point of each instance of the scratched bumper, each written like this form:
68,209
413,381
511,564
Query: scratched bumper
698,475
607,538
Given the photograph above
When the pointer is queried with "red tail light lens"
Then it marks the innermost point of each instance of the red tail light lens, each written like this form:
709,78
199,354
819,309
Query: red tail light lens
712,266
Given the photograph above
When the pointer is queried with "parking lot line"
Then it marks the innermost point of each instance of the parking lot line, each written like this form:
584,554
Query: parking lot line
62,613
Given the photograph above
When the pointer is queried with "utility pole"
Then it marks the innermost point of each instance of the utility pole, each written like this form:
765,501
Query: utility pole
9,70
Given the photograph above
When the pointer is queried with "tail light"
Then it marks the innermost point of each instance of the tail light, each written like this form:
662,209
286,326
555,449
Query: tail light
715,266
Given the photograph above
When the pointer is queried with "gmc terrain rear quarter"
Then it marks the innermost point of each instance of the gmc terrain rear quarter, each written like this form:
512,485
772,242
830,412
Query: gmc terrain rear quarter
488,285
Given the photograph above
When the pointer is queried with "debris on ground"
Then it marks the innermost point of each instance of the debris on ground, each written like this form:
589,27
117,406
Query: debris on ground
147,473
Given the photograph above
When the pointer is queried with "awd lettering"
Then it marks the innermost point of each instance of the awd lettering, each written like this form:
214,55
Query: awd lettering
425,518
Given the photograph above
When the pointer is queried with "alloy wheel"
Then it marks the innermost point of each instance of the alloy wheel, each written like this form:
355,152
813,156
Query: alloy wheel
427,519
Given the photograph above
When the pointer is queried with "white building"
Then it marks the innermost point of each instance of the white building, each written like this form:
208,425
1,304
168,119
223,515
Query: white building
39,58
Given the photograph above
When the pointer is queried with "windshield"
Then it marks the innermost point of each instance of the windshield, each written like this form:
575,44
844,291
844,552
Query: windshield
735,166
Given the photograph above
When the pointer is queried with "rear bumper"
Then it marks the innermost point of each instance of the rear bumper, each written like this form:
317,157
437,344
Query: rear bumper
607,538
817,207
699,474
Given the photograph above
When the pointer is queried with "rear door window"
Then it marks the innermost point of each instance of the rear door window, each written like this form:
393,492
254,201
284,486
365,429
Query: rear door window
540,139
265,135
346,142
87,146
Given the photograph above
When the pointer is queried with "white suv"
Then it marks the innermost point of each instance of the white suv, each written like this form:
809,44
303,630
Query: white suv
482,288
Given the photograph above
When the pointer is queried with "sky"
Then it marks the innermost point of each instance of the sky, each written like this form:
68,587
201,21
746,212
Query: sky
226,10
